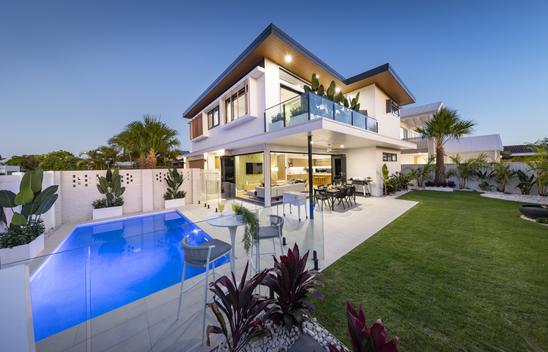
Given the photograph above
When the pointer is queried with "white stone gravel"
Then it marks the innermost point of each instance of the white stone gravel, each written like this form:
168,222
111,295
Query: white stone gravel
281,339
517,197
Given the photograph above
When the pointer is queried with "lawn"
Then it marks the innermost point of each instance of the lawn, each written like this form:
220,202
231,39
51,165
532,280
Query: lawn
456,272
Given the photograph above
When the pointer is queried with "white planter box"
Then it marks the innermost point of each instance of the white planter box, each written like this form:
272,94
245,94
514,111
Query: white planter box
439,189
105,213
174,203
23,252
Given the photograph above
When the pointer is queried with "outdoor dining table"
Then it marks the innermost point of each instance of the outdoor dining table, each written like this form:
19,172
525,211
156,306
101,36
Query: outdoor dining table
331,192
231,221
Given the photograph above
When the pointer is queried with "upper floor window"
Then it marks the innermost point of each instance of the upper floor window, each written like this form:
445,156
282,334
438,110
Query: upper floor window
392,107
236,105
389,157
213,117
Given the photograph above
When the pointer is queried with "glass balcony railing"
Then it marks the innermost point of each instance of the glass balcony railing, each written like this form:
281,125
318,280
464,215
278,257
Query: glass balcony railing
310,106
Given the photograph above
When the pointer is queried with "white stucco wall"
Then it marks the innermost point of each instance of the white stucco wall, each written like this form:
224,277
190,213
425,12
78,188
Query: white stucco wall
367,162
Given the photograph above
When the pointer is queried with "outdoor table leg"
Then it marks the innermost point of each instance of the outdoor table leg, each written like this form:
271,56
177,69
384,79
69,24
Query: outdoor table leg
232,231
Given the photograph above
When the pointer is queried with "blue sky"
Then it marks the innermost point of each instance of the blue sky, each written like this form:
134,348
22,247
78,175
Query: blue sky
74,73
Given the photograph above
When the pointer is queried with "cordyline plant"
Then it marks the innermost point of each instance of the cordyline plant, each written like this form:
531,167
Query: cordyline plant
365,339
242,308
292,284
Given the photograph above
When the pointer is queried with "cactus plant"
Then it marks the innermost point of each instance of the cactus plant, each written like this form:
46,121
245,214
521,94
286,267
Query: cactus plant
174,180
111,186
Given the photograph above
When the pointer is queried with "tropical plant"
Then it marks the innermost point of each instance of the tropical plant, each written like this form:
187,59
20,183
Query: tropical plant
539,165
25,162
238,310
423,173
484,176
502,174
466,169
26,224
444,125
111,186
331,93
251,224
363,338
174,181
146,141
384,173
292,283
526,182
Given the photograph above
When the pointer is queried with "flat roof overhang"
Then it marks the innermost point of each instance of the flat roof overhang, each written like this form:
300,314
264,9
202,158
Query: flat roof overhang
416,121
275,44
324,132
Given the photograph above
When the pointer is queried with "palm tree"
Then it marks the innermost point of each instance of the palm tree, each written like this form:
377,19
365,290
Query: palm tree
445,124
147,141
101,158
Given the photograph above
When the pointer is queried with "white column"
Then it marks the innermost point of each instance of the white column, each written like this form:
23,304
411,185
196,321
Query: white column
266,172
147,191
16,326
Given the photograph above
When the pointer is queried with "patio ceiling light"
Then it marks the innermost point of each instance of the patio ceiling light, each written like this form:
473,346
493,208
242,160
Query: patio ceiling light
337,90
288,58
342,145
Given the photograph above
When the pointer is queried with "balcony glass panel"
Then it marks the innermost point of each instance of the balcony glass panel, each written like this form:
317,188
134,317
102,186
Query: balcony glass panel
296,110
359,120
343,114
320,107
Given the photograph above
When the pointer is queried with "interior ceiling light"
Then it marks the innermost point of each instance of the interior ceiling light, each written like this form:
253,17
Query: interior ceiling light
342,145
288,58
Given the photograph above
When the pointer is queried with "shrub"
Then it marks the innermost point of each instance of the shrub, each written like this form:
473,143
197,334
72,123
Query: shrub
251,222
363,338
526,182
451,184
20,235
292,284
102,203
242,308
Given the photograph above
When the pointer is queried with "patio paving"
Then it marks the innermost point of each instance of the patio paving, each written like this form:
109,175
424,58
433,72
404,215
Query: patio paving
150,324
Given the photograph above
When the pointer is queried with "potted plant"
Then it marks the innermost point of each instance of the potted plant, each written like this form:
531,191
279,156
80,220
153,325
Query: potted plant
173,198
251,223
111,205
24,237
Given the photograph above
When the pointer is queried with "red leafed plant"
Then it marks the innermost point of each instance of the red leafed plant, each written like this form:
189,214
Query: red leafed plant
242,308
293,284
365,339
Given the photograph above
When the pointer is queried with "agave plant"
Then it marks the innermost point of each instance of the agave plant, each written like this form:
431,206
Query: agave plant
174,181
293,284
238,310
363,338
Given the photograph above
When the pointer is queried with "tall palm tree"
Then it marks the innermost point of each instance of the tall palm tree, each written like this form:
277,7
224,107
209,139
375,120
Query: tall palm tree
147,141
445,124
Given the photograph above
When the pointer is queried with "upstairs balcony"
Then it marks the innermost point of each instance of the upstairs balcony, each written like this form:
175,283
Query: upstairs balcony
421,142
310,106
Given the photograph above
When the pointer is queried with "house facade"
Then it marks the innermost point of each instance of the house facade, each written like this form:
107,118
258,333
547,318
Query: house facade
258,127
467,147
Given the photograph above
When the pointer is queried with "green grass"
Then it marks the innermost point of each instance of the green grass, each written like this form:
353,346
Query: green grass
456,272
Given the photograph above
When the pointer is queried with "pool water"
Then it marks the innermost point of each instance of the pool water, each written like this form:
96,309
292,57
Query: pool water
101,267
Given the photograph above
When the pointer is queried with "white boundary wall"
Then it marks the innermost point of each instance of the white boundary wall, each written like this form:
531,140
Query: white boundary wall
78,189
474,183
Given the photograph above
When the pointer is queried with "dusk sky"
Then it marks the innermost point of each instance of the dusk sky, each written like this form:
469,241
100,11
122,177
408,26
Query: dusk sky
74,73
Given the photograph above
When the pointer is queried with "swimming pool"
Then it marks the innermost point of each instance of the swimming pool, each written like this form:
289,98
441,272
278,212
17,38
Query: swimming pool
103,266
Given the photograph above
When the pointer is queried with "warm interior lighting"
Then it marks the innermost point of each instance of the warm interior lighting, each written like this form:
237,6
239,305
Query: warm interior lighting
342,145
337,90
288,58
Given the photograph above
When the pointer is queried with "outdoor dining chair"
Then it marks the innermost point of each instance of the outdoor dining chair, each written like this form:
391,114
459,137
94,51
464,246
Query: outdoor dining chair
201,256
351,194
321,195
273,231
340,195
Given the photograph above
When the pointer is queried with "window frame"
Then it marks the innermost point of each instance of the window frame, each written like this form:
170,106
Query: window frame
211,118
231,104
389,157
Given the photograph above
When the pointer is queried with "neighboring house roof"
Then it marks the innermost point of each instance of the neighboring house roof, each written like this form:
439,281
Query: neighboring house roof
518,149
427,109
275,44
489,142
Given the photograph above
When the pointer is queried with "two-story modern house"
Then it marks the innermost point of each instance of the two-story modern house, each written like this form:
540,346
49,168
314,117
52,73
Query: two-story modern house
266,136
490,146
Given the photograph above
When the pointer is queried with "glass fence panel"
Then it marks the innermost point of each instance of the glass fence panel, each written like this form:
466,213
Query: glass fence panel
372,125
210,185
320,107
274,118
343,114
